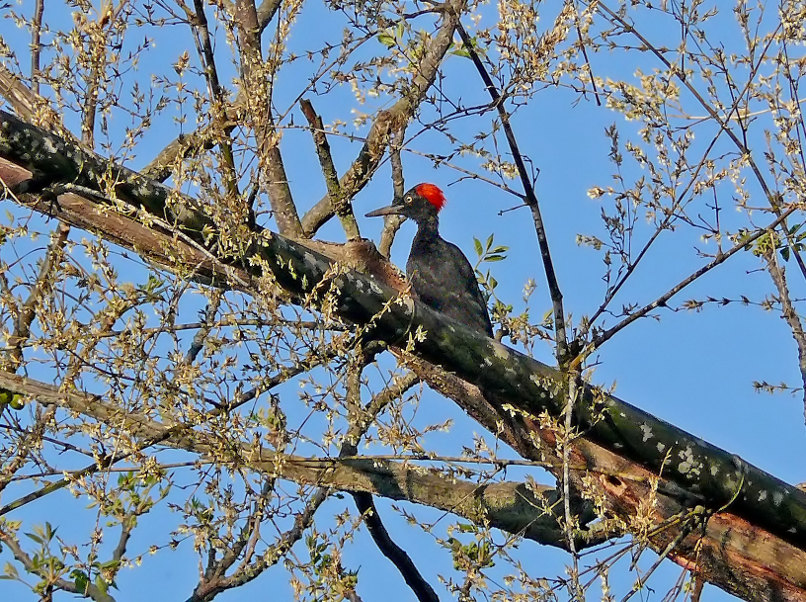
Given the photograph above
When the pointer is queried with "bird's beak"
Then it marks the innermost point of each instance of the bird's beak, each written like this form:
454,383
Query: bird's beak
390,210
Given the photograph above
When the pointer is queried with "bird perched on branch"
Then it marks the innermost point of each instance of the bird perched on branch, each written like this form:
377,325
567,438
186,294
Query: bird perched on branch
440,274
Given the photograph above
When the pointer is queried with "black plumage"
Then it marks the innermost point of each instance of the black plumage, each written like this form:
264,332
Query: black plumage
440,274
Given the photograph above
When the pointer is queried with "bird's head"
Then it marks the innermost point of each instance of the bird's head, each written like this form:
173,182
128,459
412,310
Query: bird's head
421,203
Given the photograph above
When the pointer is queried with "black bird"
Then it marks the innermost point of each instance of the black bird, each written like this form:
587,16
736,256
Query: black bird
440,274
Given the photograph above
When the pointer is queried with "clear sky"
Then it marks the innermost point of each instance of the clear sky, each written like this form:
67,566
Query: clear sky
693,369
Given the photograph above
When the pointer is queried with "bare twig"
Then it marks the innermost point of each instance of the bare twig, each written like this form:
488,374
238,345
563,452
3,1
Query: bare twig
341,205
12,355
724,123
217,97
256,79
392,223
36,46
207,590
204,327
390,121
530,198
788,312
661,301
360,418
667,221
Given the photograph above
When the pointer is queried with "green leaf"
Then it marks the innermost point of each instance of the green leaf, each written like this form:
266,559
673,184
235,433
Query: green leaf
35,537
386,39
80,579
12,399
477,244
460,50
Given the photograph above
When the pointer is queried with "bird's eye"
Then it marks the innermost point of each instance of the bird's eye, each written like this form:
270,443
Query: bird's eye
408,199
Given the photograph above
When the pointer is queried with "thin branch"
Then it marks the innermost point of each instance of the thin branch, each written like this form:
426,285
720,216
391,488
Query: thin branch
530,198
341,205
204,138
360,419
256,79
36,44
397,555
695,517
778,275
207,590
41,570
207,324
390,121
661,301
392,223
574,380
97,61
12,355
772,198
667,221
217,97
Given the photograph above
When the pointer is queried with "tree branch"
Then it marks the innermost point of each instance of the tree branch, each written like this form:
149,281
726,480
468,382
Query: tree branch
389,121
340,204
397,555
561,338
256,79
692,469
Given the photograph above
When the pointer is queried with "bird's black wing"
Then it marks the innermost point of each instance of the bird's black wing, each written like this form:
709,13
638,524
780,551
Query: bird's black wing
444,279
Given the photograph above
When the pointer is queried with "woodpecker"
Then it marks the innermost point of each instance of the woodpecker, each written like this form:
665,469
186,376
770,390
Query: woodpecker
440,274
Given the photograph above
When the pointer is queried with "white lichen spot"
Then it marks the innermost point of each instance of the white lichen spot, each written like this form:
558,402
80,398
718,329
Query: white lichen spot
661,447
762,495
618,445
487,362
375,288
714,470
688,464
309,259
777,498
49,146
646,432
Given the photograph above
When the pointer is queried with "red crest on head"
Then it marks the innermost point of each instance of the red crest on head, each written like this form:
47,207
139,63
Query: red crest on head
432,194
